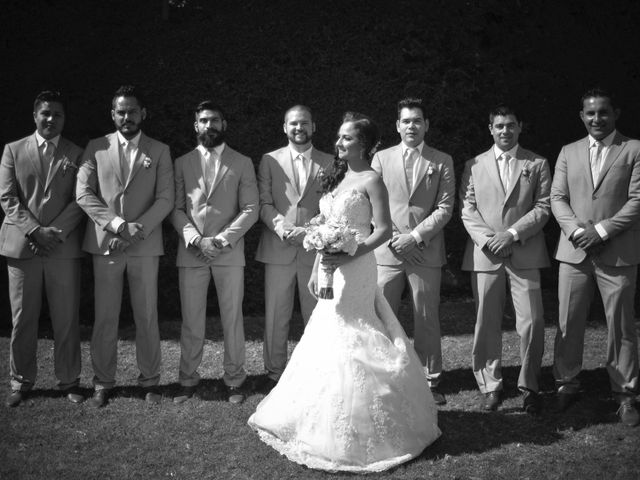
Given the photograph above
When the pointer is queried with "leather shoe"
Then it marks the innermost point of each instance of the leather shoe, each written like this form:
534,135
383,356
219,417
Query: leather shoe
74,395
564,401
491,401
235,395
628,413
99,398
152,395
438,396
185,394
268,385
531,402
15,397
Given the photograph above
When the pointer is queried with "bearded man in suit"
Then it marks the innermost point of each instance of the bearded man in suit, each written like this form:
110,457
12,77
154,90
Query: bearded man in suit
41,236
595,197
421,185
216,204
125,185
505,204
289,185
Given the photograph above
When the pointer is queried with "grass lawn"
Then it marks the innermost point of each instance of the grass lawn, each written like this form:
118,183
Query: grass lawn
206,438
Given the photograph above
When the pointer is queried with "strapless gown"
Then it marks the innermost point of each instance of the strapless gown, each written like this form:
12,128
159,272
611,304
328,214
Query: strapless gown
353,396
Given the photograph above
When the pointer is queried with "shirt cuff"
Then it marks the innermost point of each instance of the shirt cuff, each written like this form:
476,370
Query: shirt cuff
416,236
514,233
601,231
577,231
192,239
115,224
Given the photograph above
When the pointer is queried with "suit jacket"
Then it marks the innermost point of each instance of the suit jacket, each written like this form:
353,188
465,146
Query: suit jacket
229,209
283,207
146,197
614,201
427,208
487,209
30,199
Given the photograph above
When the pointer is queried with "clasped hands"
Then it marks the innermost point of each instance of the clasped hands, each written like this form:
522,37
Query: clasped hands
208,248
405,245
295,236
501,244
131,234
588,239
43,240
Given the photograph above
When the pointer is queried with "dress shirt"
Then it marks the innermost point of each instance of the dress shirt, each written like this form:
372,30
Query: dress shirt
301,168
41,142
133,153
419,148
606,146
500,160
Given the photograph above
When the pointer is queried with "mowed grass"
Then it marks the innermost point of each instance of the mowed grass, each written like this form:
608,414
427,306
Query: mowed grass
207,438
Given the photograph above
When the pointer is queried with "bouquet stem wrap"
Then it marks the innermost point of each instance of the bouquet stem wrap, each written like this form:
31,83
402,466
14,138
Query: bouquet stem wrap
325,282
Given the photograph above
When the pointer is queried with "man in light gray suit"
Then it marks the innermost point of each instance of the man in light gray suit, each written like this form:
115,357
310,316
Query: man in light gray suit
421,185
505,204
289,185
125,185
595,197
216,204
41,236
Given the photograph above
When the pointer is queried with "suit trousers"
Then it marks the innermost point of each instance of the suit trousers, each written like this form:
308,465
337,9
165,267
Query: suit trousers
142,275
424,283
489,292
279,291
576,289
229,283
60,278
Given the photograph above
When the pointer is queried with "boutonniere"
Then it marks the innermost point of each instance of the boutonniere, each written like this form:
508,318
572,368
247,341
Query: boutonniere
66,165
526,173
430,170
146,162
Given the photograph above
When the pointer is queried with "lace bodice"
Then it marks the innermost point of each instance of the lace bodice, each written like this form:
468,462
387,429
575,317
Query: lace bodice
351,207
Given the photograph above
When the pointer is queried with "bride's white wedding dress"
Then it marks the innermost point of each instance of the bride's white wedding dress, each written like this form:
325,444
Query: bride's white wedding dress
354,396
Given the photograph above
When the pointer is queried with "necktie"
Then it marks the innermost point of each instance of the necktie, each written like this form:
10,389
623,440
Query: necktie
596,160
210,168
409,164
505,170
47,157
125,161
301,170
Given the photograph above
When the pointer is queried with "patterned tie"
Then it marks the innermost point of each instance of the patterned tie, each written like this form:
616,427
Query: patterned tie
596,160
210,167
301,170
505,170
47,158
125,161
409,164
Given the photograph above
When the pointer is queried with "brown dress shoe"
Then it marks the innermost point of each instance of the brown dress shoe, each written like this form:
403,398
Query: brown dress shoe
185,394
15,397
491,401
74,395
235,395
99,398
628,413
152,395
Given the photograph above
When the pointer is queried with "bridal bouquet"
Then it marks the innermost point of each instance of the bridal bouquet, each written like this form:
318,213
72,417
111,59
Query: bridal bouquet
329,237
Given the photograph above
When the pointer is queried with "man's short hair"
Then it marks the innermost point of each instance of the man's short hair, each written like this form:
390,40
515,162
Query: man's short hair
598,92
301,107
128,91
502,110
49,96
412,103
209,105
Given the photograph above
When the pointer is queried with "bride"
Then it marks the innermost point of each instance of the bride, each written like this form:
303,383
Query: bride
353,396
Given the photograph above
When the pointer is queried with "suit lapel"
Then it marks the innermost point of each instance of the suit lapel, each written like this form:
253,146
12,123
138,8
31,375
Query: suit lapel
113,156
141,155
60,155
34,160
614,151
516,171
395,169
225,161
286,162
314,169
491,166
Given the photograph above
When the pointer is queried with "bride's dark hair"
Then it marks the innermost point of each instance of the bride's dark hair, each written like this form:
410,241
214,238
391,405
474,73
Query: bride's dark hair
367,134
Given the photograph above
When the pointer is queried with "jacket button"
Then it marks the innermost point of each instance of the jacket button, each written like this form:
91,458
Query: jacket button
594,197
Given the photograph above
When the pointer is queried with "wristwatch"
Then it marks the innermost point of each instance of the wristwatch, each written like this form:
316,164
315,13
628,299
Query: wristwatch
120,228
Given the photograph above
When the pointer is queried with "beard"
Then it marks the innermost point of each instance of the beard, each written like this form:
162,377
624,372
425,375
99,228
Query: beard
211,139
305,138
129,129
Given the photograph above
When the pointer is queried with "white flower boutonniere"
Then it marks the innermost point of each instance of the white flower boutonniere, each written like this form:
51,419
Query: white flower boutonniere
68,165
146,162
430,170
526,173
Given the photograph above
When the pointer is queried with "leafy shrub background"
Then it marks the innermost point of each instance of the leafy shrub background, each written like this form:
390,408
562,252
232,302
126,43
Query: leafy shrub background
257,58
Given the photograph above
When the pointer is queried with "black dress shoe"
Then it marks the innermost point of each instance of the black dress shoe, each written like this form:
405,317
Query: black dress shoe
152,395
235,395
531,402
99,398
438,396
491,401
185,394
564,401
74,395
627,412
15,397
